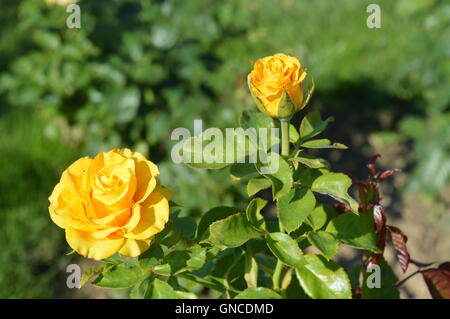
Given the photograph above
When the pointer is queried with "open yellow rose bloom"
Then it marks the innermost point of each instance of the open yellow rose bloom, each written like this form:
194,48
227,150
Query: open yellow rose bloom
110,204
275,83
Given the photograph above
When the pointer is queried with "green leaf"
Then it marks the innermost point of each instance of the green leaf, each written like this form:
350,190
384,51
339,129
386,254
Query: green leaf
357,231
335,185
251,269
121,276
91,273
158,289
232,231
190,259
295,291
324,279
311,161
163,270
185,295
281,177
253,213
386,286
214,148
324,242
294,207
213,215
187,226
212,282
323,143
285,249
306,175
151,257
138,290
293,134
258,293
257,184
312,125
257,120
116,259
318,217
162,236
243,170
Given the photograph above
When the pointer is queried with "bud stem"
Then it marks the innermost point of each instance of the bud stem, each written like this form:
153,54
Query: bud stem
284,137
284,122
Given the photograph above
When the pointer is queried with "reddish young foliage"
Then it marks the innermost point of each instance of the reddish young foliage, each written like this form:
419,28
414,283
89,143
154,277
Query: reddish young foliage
438,281
399,240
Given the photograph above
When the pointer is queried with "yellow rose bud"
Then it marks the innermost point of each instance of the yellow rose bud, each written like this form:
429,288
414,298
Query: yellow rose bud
109,204
276,85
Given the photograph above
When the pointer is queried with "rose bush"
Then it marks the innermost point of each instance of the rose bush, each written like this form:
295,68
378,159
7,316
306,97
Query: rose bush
114,204
110,204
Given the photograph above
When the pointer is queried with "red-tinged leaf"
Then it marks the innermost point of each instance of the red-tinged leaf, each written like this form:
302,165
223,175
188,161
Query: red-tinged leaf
399,240
371,164
380,228
388,173
379,217
438,281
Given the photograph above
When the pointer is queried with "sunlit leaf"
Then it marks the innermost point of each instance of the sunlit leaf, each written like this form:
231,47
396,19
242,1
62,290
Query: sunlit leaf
324,279
158,289
335,185
253,213
354,230
232,231
312,125
324,242
258,293
322,143
294,207
213,215
121,276
257,184
280,174
286,249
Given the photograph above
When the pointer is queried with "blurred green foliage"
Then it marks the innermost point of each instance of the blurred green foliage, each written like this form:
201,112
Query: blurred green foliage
31,246
138,69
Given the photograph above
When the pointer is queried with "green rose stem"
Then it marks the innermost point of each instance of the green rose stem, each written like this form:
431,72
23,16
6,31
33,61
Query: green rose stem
284,122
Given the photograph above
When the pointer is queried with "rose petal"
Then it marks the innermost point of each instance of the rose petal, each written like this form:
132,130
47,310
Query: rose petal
133,248
154,215
90,247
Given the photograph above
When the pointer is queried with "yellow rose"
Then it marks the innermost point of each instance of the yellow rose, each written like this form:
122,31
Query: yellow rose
275,83
110,204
